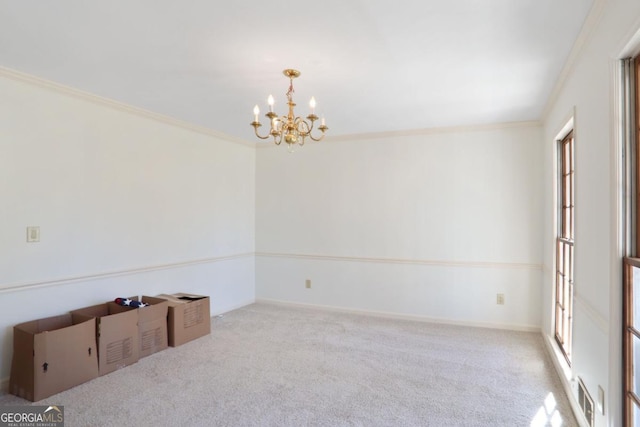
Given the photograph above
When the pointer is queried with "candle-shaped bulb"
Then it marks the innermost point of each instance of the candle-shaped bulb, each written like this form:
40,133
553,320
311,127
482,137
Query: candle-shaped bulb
322,122
312,104
256,111
270,101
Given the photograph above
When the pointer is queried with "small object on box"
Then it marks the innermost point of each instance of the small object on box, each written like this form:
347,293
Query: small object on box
130,303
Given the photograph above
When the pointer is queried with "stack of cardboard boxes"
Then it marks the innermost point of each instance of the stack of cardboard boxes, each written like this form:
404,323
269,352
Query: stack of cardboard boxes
56,353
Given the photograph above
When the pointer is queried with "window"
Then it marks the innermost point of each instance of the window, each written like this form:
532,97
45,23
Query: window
632,339
564,245
631,288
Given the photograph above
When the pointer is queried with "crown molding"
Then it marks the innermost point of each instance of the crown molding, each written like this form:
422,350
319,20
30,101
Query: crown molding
420,132
435,131
140,112
593,18
631,43
117,105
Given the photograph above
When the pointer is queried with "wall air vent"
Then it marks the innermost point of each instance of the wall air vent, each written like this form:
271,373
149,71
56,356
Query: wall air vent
586,402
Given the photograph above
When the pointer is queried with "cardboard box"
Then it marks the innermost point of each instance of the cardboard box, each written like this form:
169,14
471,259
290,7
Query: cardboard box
116,334
152,324
189,317
52,355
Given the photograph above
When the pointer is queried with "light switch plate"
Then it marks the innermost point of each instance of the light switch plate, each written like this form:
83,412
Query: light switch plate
33,234
601,400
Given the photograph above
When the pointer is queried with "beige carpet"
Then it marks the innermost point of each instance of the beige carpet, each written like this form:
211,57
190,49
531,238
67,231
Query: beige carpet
271,365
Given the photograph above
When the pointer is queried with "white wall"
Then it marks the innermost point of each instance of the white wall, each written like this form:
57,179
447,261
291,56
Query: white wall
589,93
126,204
431,225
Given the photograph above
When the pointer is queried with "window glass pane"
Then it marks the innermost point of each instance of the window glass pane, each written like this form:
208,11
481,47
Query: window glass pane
560,259
571,187
559,287
572,160
569,273
566,199
636,361
636,414
559,322
571,224
567,293
635,321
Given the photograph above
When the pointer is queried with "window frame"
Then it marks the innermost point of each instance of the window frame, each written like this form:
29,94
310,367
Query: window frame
631,397
565,243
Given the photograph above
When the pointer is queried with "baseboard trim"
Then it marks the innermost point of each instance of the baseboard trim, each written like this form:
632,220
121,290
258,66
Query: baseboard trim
566,377
230,308
402,316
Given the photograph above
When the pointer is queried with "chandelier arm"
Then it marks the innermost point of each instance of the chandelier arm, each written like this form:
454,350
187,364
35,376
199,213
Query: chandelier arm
256,125
312,119
317,139
277,136
322,128
304,131
303,127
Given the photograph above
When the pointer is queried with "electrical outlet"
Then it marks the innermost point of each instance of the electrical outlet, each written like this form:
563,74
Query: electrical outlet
307,283
33,234
500,299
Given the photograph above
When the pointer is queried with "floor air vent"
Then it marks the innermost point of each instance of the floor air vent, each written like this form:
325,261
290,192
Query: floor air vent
586,402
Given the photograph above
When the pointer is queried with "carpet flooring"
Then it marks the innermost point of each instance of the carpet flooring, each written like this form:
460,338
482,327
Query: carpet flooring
273,365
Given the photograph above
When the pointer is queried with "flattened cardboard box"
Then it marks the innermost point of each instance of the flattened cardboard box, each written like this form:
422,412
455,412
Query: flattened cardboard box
152,324
51,355
116,334
189,317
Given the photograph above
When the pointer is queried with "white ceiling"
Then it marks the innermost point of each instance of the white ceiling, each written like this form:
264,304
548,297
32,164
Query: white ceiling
372,65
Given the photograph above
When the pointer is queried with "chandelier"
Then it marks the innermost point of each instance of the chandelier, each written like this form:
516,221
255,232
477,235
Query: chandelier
293,130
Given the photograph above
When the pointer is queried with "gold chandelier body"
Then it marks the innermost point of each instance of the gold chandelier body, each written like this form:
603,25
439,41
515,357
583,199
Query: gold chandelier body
291,129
